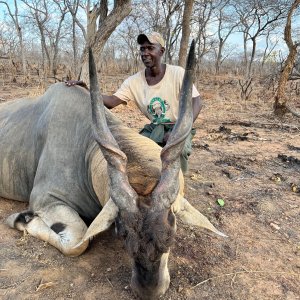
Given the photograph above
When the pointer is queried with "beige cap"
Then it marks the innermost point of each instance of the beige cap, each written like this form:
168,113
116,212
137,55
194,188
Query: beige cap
153,38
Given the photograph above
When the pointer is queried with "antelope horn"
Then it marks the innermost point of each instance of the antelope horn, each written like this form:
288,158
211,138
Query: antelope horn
191,216
102,222
168,187
120,190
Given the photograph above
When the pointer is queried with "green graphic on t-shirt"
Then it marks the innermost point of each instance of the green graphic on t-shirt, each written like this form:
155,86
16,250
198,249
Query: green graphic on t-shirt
158,108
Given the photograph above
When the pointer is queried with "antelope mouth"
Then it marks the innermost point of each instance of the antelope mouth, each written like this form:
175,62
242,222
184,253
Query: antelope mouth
153,283
149,292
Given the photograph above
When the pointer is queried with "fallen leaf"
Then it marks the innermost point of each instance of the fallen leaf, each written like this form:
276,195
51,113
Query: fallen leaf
277,178
295,188
221,202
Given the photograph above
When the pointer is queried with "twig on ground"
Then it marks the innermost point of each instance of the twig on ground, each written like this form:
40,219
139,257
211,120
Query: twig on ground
45,285
232,280
293,112
109,282
245,272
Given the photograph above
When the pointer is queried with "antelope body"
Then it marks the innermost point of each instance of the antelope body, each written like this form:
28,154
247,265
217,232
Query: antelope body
50,157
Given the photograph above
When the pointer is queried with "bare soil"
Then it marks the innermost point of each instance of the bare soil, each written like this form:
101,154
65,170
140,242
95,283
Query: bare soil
243,155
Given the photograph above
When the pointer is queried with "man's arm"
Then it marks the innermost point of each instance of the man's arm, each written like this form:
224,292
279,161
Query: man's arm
112,101
109,101
197,106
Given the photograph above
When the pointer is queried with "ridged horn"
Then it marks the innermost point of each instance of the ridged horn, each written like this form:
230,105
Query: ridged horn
167,189
120,190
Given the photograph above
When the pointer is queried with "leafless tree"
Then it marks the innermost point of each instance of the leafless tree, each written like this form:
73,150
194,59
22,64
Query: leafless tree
107,23
61,28
202,16
255,19
15,17
172,12
73,6
226,26
55,38
127,41
270,44
150,15
186,30
295,75
39,13
9,50
280,103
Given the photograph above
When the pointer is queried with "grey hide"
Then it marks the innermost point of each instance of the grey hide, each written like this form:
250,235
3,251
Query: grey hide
45,150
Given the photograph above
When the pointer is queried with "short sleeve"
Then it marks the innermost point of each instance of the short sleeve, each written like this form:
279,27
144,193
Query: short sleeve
181,71
195,92
124,92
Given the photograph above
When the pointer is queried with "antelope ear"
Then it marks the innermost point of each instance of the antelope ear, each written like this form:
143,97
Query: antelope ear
102,222
191,216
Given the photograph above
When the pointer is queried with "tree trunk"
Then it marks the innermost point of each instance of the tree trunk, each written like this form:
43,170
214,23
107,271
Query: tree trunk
280,106
245,52
22,51
56,43
219,55
20,36
15,18
249,71
44,46
186,30
74,45
97,39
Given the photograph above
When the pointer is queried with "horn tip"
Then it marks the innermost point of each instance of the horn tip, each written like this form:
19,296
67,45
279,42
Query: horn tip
221,234
191,56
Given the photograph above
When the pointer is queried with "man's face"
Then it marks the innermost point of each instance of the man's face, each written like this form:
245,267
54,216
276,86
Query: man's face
151,54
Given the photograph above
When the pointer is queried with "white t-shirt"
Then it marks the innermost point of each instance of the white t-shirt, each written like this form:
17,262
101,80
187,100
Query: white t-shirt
159,102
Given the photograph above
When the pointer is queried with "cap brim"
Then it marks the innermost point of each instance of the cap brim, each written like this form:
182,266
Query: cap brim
142,38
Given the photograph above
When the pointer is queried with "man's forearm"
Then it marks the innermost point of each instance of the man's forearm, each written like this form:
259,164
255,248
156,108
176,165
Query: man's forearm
109,101
112,101
197,106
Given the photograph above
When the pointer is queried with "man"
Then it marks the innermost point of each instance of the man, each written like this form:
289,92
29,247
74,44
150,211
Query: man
156,91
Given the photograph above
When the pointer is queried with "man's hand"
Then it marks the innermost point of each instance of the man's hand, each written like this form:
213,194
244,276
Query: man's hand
76,82
109,101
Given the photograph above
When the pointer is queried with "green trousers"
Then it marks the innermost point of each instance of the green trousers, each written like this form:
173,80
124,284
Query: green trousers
156,132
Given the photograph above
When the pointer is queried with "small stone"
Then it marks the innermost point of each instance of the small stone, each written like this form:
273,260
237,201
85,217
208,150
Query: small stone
275,226
108,269
180,289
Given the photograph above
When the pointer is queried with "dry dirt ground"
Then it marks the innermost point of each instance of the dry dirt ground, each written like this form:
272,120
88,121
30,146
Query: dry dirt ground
242,155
